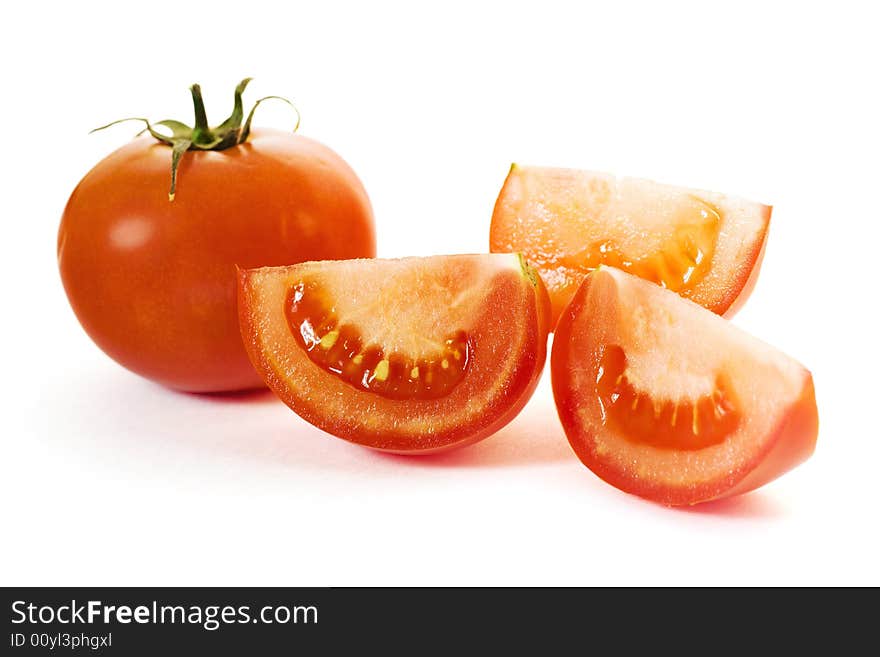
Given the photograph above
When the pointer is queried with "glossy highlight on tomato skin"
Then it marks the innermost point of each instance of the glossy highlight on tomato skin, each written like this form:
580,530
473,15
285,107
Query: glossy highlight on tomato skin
772,395
507,327
153,282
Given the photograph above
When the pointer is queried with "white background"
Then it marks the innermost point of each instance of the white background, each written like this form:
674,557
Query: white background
108,479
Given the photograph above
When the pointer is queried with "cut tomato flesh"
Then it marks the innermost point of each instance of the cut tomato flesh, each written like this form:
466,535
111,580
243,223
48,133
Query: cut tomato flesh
689,424
410,355
677,261
703,245
666,400
339,347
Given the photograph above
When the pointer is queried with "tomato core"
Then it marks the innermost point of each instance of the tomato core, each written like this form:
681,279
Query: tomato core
680,425
339,348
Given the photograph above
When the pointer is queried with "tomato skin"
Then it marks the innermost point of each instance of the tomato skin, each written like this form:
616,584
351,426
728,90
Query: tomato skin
743,285
790,441
153,281
337,408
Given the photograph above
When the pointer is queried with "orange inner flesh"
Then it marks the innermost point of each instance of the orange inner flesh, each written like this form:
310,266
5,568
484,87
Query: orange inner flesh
339,348
679,265
682,425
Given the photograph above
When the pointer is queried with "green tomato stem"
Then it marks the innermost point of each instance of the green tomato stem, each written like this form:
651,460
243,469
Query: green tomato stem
201,133
201,137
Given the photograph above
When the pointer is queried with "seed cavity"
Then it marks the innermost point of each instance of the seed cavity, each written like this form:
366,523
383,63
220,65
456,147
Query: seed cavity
678,265
685,424
339,348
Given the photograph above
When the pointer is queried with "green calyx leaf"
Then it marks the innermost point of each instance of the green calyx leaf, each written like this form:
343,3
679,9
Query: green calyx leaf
202,137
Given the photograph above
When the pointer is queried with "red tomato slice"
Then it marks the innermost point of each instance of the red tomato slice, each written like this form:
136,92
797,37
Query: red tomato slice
410,355
666,400
705,246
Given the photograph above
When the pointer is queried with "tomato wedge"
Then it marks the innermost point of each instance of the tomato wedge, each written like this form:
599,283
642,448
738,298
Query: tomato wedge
413,355
663,399
706,246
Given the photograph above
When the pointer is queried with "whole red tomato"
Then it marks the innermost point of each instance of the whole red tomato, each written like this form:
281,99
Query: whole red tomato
151,276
